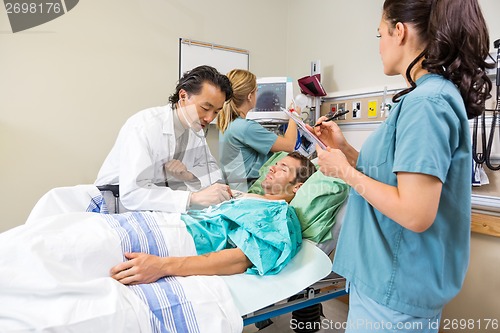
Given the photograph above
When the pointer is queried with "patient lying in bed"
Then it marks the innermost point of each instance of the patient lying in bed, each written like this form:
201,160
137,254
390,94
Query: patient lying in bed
61,263
257,235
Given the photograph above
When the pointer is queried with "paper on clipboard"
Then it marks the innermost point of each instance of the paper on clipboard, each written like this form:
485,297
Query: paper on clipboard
295,117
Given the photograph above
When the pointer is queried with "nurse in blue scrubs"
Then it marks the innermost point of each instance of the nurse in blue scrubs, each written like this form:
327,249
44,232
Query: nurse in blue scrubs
245,145
404,244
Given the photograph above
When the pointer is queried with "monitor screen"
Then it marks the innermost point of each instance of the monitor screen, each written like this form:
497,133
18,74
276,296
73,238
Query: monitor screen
273,95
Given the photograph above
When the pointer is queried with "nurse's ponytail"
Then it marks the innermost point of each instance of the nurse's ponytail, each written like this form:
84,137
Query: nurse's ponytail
227,115
243,83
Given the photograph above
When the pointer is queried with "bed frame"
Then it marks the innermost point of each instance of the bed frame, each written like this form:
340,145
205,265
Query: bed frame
330,287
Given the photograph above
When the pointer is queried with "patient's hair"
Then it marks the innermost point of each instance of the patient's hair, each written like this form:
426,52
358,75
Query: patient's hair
192,82
307,168
243,83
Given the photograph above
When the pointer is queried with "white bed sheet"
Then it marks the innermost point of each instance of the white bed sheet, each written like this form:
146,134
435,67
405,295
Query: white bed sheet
41,292
244,293
54,277
251,292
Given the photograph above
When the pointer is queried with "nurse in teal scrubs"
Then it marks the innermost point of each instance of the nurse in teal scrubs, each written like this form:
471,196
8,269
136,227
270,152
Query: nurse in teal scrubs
404,244
245,144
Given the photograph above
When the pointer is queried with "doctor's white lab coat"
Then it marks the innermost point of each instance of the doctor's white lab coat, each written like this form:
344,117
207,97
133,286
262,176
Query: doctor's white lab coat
145,143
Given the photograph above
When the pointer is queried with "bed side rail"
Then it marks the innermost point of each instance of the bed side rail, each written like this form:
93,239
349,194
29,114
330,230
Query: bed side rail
115,190
331,286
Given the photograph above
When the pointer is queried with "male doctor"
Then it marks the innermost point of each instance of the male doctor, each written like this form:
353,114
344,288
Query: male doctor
161,159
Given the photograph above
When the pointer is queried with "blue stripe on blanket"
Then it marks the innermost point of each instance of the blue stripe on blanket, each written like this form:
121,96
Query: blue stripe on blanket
172,311
139,233
167,301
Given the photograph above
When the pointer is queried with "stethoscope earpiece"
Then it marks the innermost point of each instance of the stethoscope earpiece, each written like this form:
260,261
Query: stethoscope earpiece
185,116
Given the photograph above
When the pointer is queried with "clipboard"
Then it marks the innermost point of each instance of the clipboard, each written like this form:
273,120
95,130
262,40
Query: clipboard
295,117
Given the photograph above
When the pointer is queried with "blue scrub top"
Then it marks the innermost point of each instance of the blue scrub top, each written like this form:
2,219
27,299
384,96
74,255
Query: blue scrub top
267,231
414,273
243,149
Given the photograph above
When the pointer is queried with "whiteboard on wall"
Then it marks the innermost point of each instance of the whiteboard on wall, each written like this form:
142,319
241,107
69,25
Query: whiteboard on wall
224,58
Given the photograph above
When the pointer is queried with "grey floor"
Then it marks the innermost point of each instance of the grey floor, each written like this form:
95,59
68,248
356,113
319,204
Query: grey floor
334,310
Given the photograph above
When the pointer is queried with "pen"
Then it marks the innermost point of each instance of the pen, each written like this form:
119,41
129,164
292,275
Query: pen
335,116
293,106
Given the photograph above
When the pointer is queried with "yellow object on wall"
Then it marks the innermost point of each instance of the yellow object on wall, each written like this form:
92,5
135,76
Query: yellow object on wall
372,109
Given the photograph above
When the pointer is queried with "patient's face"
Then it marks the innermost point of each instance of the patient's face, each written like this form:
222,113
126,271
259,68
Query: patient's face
280,177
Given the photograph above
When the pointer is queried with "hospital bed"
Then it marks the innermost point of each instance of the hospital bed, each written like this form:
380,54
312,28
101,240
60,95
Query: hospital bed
304,284
305,302
307,280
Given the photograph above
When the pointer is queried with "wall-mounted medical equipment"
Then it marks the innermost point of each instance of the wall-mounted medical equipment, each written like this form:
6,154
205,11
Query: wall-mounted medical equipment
311,91
311,87
487,153
273,95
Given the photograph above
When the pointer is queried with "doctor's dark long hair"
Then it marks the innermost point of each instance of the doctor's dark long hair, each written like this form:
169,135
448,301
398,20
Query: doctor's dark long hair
457,40
192,82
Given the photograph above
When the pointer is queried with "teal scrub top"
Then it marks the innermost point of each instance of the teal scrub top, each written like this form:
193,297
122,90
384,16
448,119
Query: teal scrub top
414,273
243,149
268,232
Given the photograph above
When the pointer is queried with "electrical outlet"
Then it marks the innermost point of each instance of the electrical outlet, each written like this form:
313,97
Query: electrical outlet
341,108
356,110
386,107
372,109
315,67
333,108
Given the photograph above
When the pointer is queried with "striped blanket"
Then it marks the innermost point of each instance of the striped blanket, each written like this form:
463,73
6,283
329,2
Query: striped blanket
54,273
171,308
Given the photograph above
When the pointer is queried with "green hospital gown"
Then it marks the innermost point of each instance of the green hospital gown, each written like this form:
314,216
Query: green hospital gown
268,232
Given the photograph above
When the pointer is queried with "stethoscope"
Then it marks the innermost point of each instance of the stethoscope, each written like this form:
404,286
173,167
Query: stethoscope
485,156
200,133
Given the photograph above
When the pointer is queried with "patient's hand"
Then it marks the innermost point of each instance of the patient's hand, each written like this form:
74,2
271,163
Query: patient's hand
147,268
178,170
140,268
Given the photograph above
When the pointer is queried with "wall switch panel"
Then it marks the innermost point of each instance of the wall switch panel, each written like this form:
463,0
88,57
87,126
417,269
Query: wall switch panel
362,109
356,110
372,109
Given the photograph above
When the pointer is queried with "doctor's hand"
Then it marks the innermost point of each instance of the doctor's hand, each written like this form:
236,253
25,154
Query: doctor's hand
332,162
140,268
178,170
211,195
329,132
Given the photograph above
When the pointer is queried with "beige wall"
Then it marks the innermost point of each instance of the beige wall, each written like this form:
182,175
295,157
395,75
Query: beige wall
67,86
479,298
342,34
